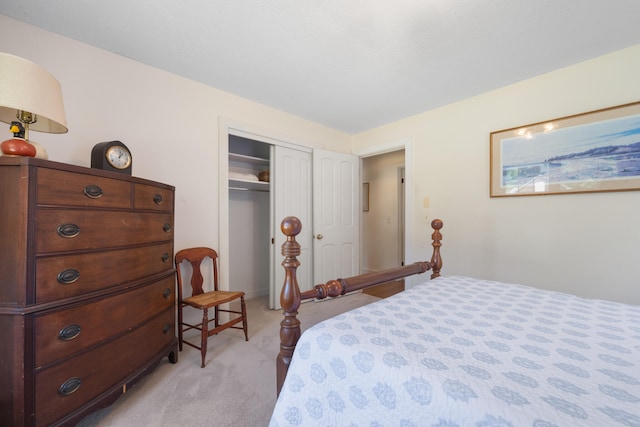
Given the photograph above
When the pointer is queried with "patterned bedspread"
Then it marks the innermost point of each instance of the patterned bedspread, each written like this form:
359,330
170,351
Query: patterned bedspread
457,351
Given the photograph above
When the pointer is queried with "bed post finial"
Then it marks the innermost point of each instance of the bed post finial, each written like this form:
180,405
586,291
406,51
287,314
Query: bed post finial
289,298
436,237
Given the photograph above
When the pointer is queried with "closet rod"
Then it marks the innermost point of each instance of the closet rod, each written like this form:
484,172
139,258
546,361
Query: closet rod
247,189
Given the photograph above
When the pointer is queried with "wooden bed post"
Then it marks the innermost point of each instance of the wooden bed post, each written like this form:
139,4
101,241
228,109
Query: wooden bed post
289,298
436,237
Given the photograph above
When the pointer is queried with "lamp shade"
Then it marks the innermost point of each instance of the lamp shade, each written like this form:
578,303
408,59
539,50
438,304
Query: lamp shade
25,86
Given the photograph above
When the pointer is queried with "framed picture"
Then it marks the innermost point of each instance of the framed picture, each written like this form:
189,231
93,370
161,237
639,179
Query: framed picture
365,197
589,152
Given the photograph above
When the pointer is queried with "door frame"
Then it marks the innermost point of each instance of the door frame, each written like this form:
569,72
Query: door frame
405,144
402,193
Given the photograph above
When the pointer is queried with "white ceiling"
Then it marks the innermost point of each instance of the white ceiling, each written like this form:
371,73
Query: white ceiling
348,64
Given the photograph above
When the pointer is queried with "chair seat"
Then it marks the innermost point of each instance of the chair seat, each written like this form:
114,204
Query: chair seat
213,298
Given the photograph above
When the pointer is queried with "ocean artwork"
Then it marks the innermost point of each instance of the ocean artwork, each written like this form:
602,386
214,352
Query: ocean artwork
571,156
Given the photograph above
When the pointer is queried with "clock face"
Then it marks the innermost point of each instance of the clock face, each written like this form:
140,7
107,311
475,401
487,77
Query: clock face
118,157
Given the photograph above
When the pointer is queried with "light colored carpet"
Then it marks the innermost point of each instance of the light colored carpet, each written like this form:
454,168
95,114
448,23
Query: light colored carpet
237,387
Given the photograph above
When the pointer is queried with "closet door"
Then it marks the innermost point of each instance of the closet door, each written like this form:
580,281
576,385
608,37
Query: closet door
336,215
291,196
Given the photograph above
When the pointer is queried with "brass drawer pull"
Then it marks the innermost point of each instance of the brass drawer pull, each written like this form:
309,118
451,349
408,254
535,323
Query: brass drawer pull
165,257
157,199
166,328
166,227
167,293
69,332
70,386
92,191
68,231
68,276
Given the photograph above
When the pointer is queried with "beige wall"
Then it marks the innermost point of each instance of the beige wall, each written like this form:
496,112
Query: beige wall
170,123
583,243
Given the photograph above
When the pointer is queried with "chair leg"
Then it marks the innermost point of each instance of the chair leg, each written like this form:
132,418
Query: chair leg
244,318
204,335
179,325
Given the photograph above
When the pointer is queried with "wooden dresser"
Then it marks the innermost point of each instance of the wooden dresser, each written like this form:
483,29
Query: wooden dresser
87,291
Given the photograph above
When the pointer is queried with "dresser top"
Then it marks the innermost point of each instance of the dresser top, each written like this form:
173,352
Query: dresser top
34,162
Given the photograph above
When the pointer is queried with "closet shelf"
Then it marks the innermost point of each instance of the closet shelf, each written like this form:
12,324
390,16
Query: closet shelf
241,184
248,159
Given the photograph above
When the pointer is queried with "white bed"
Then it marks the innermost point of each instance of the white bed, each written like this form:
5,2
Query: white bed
457,351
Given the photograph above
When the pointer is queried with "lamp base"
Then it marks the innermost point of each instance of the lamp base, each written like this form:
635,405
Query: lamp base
41,152
18,147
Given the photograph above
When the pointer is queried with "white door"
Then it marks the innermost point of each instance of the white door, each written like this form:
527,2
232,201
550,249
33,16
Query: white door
336,215
291,196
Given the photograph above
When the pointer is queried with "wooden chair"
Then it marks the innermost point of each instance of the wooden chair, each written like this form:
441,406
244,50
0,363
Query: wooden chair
202,300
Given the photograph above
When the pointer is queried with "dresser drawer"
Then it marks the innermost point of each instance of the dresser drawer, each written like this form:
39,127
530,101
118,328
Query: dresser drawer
153,198
65,332
59,230
69,385
62,188
65,276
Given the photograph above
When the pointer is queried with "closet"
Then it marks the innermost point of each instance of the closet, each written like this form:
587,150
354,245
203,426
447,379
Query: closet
249,216
266,183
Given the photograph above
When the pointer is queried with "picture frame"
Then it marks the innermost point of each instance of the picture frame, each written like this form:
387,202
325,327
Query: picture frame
589,152
365,197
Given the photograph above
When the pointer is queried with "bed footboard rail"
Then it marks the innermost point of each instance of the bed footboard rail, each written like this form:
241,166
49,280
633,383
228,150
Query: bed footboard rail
291,297
338,287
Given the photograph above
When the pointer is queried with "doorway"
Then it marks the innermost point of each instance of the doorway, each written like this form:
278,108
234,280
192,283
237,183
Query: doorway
383,220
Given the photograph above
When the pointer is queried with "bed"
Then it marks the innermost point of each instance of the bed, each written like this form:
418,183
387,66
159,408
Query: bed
458,351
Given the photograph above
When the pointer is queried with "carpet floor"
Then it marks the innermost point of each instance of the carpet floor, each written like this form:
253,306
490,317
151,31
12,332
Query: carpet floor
237,387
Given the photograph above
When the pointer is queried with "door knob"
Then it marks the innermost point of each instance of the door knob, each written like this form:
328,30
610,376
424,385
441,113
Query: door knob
319,236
